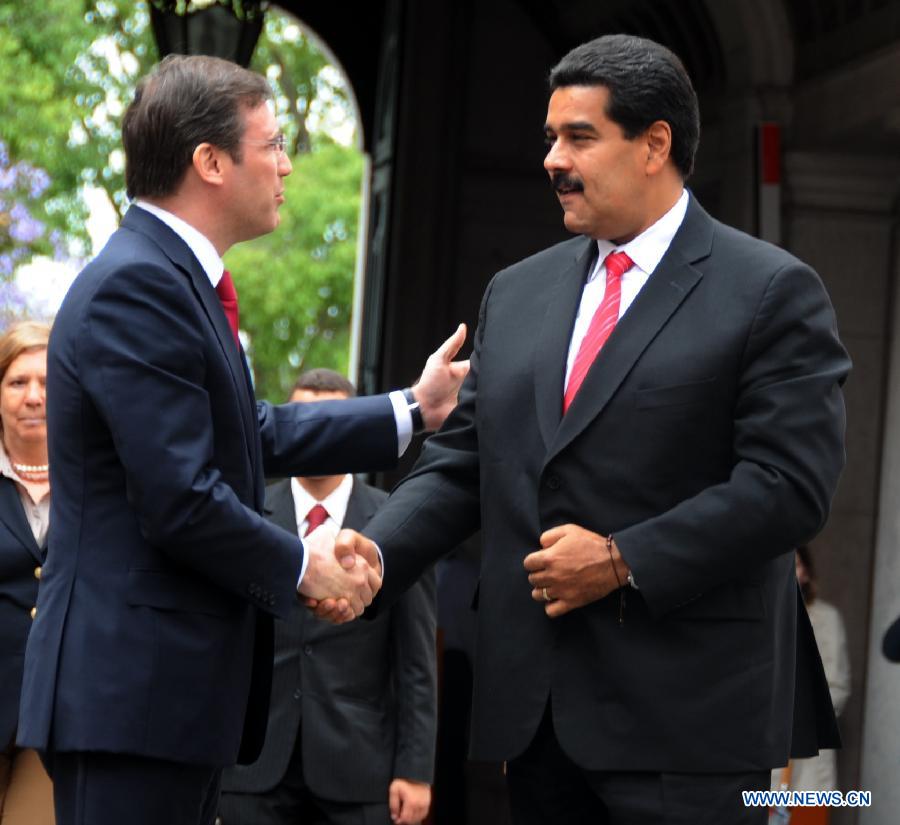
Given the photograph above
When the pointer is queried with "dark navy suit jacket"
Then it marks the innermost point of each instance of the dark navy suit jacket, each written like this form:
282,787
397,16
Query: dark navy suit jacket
20,557
153,633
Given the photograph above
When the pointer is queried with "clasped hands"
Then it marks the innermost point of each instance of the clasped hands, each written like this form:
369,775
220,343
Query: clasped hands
573,568
343,574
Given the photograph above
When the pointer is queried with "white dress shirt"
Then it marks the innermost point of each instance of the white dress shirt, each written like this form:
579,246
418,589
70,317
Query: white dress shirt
335,503
646,250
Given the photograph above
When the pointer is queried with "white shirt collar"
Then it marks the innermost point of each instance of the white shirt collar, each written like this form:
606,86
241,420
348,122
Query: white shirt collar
199,244
647,249
335,503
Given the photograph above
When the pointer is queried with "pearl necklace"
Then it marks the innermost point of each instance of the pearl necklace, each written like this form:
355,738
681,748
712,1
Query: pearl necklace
31,469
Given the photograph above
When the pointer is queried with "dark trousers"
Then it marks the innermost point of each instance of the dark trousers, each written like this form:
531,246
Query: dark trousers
547,788
281,806
292,802
114,789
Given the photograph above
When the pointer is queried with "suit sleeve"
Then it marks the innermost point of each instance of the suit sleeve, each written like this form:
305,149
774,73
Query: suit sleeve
142,363
413,640
353,435
788,446
437,506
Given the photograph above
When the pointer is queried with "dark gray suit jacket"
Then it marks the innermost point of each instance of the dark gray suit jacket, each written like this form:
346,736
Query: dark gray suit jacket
361,696
708,438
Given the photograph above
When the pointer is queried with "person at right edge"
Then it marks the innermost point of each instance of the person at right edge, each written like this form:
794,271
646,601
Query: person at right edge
653,420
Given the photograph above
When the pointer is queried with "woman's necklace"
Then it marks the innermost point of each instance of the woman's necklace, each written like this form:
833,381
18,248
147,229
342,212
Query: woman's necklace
32,472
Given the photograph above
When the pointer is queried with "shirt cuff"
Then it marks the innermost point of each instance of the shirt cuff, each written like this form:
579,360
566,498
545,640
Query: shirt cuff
404,421
380,559
303,564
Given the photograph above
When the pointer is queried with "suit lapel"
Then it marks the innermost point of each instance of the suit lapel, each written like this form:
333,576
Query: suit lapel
13,516
660,297
280,506
554,337
180,255
361,506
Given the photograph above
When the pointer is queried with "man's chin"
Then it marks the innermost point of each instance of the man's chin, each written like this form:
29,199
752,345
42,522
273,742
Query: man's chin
575,225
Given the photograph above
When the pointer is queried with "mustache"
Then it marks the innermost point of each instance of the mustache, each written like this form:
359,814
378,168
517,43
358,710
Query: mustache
563,182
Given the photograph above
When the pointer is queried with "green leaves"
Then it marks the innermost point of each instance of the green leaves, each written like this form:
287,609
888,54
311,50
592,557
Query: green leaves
67,73
296,285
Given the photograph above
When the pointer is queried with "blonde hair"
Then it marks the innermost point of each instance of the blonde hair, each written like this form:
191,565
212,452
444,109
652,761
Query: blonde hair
23,336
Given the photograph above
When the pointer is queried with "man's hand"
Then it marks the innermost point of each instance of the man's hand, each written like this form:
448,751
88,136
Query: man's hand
353,553
409,801
438,386
339,573
573,569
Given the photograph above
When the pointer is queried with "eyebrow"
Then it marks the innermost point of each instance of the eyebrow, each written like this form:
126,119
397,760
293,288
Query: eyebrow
574,126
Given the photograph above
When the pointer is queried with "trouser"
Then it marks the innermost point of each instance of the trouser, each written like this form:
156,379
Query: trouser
547,788
114,789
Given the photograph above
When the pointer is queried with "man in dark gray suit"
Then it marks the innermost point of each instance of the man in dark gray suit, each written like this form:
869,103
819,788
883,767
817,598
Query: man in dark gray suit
352,722
652,422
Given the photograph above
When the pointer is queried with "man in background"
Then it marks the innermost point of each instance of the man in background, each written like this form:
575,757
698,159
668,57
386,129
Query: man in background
352,723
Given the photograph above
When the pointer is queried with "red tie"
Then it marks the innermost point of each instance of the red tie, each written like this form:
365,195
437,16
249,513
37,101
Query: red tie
602,324
315,518
228,296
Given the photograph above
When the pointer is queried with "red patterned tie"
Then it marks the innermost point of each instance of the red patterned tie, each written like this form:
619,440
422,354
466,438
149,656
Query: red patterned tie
315,518
602,324
228,296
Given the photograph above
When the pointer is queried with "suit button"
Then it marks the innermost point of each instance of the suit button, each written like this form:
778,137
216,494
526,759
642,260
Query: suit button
553,482
298,693
33,612
308,650
37,572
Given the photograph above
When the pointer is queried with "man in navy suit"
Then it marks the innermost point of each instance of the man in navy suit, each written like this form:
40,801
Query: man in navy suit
353,718
652,422
149,664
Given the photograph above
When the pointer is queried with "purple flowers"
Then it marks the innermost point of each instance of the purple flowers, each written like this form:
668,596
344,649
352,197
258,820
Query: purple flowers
19,229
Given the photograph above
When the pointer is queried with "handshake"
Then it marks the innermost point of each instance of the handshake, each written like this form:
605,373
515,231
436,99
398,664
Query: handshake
343,574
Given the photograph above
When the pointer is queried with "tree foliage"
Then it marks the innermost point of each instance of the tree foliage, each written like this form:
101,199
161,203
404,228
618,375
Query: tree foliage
296,284
67,72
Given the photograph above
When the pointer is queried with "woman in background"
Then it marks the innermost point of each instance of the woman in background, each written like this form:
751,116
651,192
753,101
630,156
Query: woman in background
26,795
818,773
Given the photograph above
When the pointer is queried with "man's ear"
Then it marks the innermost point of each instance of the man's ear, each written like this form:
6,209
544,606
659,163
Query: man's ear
209,163
658,139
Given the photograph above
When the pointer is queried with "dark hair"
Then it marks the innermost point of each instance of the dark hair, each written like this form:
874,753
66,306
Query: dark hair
324,380
646,83
186,101
809,588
